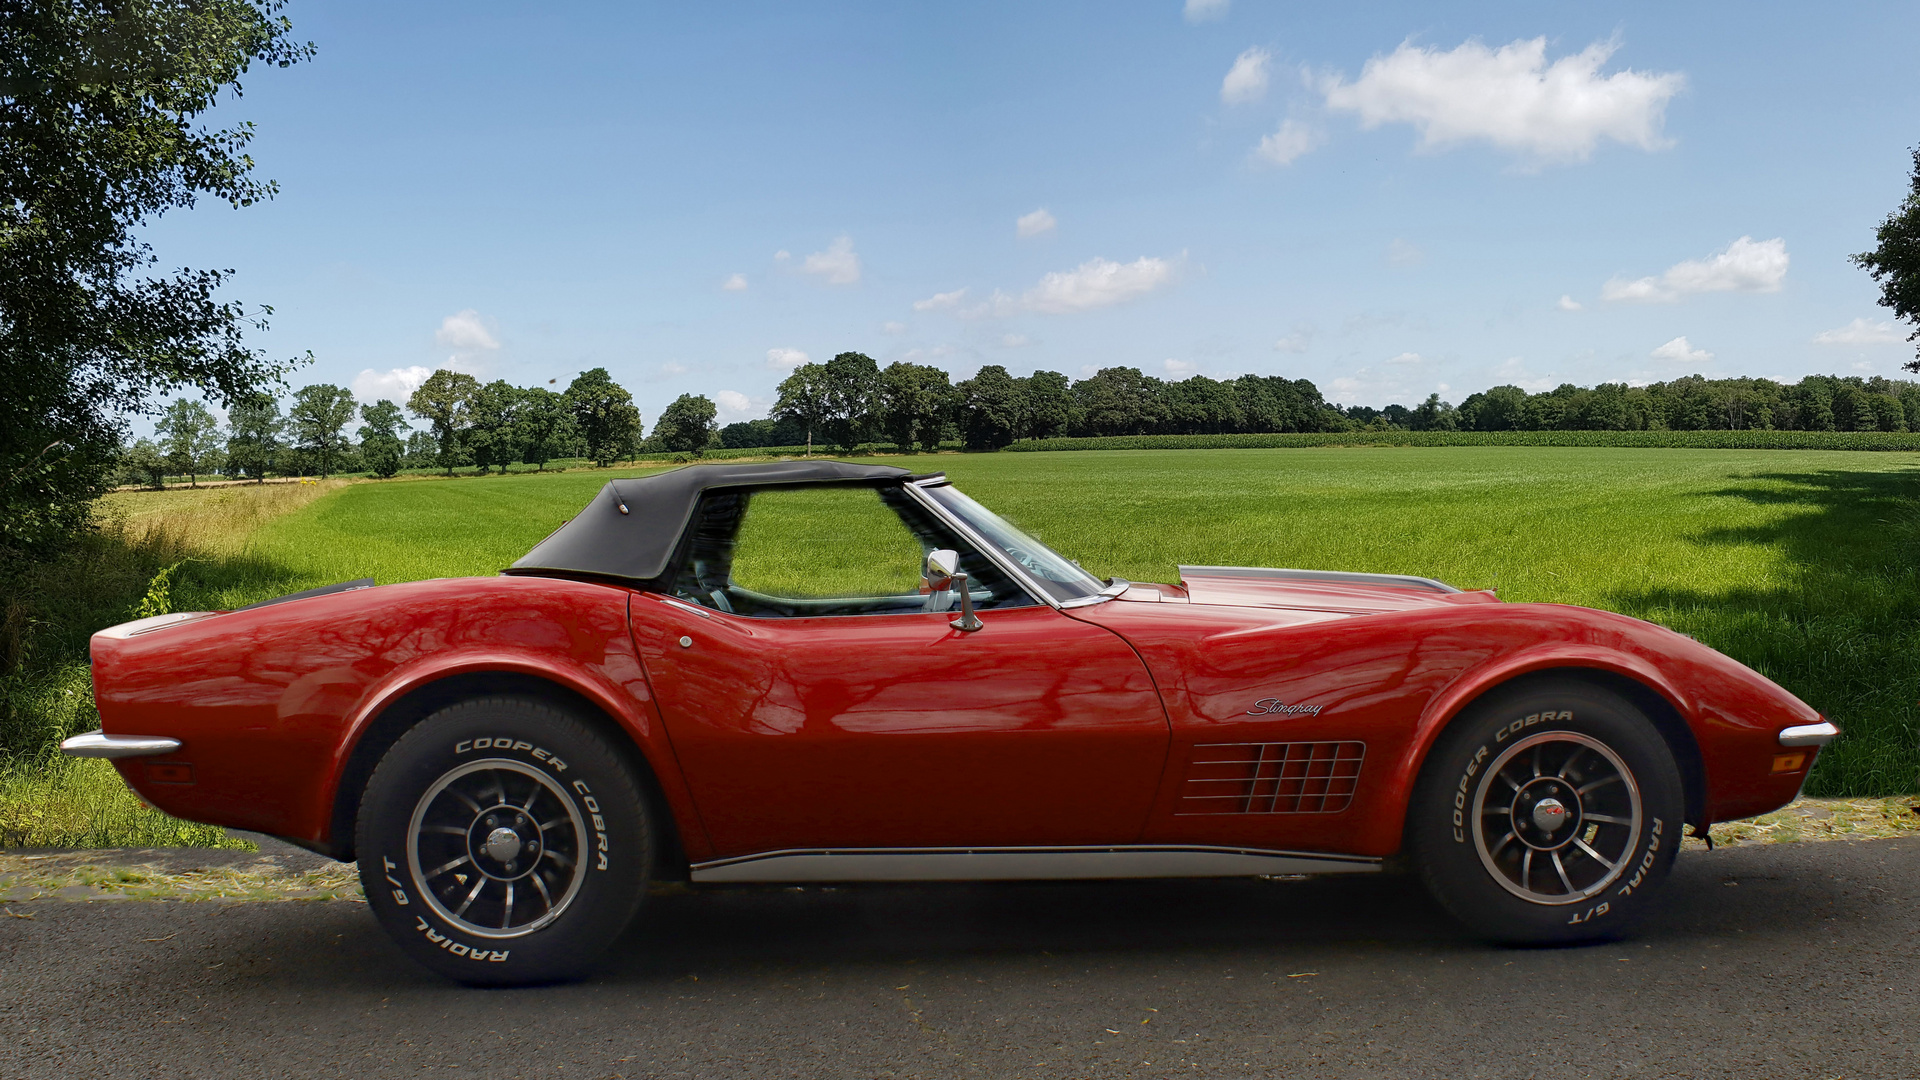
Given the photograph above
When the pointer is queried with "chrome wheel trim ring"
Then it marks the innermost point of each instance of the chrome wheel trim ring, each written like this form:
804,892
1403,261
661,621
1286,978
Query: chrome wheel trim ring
576,876
1624,778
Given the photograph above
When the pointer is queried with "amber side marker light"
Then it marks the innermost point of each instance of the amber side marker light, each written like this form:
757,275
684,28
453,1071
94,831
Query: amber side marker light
1783,763
169,772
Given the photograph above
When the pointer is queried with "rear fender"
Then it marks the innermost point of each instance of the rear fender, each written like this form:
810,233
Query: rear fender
407,694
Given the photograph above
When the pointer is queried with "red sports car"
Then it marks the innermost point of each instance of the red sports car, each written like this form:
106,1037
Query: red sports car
824,672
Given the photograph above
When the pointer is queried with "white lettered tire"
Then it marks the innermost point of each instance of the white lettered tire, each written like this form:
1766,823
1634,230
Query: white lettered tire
505,842
1549,813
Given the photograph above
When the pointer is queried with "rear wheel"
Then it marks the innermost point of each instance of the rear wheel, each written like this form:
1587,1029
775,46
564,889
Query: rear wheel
505,842
1548,814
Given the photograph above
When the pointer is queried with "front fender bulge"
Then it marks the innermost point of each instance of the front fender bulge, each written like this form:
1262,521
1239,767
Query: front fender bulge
1359,699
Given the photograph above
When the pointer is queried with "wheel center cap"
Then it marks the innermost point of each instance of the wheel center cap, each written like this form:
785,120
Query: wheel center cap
504,844
1549,814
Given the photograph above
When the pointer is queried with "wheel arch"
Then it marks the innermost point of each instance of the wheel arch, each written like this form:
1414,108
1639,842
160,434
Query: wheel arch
396,717
1658,706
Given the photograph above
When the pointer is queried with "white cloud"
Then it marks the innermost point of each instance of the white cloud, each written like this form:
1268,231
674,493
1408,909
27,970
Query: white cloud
1296,342
1510,97
838,264
732,406
1096,283
1401,253
1681,351
735,283
893,328
465,330
1405,358
672,368
1292,141
1745,266
396,385
1859,332
1246,80
1206,10
785,359
941,301
1180,369
782,255
1040,221
1015,341
1568,303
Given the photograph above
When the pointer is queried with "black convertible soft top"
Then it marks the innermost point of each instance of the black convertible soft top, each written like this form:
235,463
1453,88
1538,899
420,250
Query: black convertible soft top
630,529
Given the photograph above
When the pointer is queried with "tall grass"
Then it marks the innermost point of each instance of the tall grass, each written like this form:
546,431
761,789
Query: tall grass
146,544
55,801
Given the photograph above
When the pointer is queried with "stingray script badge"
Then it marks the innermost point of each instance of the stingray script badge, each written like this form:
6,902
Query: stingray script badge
1273,706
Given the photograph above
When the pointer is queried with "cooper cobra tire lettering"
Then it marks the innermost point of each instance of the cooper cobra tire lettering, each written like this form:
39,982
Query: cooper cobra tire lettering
1460,795
599,823
457,897
1506,790
540,753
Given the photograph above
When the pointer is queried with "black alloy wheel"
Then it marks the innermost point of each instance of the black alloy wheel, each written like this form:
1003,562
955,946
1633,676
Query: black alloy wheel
505,842
1549,813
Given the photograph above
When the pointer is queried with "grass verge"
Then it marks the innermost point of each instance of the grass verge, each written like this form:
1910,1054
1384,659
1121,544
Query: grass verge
63,876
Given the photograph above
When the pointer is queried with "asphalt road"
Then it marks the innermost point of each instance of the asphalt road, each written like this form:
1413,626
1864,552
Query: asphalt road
1771,961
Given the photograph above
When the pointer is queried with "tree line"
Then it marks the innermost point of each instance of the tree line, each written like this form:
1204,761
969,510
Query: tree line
463,423
851,400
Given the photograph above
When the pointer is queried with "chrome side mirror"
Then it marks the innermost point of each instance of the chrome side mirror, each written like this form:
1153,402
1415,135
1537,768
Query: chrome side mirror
941,566
943,572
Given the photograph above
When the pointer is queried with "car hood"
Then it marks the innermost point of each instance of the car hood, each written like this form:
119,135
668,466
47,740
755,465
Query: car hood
1306,590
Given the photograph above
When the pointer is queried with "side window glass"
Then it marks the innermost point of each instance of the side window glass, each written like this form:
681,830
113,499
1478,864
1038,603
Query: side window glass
808,551
818,542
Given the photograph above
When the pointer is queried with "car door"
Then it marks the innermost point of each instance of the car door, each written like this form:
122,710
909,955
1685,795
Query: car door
859,719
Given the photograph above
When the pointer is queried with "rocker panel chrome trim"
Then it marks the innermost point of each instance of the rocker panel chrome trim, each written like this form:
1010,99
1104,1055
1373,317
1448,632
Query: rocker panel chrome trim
1021,864
1403,580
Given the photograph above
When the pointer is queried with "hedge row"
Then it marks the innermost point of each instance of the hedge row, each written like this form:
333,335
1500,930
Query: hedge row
1696,440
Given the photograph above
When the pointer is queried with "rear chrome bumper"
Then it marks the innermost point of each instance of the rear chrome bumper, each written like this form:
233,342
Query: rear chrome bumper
101,744
1819,734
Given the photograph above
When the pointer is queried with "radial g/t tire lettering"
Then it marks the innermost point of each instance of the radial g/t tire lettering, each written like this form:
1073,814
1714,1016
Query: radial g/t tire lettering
505,842
1547,814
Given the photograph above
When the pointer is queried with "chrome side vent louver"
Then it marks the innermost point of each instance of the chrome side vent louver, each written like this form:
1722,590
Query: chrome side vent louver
1271,778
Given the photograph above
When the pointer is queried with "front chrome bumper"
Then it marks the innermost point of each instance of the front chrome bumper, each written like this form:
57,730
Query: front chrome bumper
101,744
1819,734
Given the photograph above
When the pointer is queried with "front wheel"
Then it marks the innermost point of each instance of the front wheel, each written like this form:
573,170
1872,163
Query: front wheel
504,842
1548,815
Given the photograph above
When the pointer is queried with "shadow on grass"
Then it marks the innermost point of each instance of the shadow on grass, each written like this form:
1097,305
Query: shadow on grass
1843,633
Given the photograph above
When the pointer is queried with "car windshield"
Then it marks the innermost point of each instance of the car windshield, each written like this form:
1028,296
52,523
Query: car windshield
1060,576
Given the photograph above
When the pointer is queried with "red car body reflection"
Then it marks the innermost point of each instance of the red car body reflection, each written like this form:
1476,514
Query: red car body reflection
1113,723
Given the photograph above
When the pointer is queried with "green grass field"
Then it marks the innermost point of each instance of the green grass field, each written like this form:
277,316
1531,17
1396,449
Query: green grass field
1801,564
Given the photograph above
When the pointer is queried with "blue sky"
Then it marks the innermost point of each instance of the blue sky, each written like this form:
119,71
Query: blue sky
1388,199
